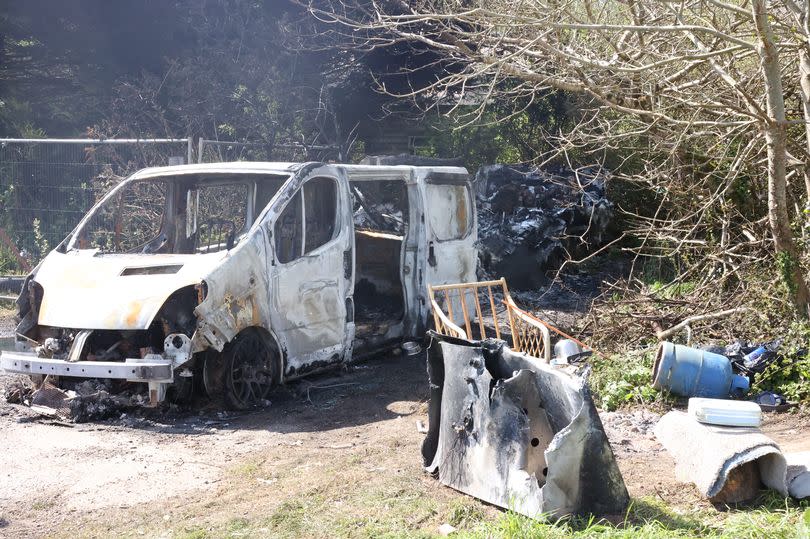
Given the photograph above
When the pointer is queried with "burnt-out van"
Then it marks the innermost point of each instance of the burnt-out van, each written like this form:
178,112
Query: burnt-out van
244,275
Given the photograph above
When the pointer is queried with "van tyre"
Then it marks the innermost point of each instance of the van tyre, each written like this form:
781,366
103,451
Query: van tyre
243,374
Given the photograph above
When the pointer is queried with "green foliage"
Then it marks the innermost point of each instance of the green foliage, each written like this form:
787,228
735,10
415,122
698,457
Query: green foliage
505,132
39,239
475,145
787,266
15,115
622,379
790,374
672,290
218,69
771,516
8,263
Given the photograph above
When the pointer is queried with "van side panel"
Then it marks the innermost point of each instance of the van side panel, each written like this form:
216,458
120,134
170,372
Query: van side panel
450,230
309,291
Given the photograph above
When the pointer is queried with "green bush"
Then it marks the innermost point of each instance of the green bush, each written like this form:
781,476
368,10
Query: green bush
622,379
8,264
790,374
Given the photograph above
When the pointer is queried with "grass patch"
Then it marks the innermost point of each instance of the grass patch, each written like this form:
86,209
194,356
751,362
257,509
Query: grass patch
42,505
393,509
771,516
249,469
623,379
291,518
239,527
402,507
191,533
465,513
397,507
7,309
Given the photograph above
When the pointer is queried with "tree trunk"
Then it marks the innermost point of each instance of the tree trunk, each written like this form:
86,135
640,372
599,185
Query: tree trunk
804,83
775,128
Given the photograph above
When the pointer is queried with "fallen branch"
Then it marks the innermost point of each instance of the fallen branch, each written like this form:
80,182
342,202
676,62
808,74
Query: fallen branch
310,388
336,446
12,247
697,318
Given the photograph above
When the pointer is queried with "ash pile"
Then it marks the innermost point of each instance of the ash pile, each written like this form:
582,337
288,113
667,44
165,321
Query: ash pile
530,220
88,400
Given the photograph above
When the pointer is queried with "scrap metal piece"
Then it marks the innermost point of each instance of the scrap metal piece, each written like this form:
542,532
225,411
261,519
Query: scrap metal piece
517,433
79,342
150,369
177,347
50,400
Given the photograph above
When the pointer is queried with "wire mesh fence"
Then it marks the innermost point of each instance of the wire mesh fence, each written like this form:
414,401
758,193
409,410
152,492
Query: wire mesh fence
46,185
216,151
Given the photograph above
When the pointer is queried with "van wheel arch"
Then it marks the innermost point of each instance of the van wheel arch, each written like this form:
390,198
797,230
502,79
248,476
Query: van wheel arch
271,341
248,359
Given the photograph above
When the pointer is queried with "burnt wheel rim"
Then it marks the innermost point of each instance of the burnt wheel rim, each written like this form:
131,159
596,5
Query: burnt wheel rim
251,374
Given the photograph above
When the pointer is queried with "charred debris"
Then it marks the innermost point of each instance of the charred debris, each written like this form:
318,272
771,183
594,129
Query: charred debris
530,219
512,422
517,433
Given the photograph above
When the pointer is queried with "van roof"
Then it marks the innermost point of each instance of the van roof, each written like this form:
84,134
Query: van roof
266,167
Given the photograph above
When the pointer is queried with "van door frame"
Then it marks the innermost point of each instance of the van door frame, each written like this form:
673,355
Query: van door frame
287,312
410,274
462,250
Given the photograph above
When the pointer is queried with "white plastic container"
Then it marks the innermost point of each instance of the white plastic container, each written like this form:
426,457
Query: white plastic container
725,412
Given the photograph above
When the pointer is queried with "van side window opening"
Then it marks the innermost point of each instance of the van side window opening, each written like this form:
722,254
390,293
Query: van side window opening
127,221
288,231
449,210
380,205
320,212
221,216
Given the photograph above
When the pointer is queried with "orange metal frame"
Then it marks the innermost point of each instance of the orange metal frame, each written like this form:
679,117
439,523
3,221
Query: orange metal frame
528,333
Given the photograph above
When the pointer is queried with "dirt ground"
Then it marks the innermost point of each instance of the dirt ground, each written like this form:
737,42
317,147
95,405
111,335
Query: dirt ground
648,469
343,444
54,479
7,321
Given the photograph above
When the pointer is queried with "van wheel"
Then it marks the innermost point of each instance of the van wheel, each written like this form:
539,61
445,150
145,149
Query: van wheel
244,374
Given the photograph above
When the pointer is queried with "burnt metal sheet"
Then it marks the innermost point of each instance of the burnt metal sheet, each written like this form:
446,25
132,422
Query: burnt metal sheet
93,292
134,369
517,433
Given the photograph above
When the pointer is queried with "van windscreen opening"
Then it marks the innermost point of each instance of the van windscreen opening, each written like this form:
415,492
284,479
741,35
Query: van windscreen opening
179,214
128,221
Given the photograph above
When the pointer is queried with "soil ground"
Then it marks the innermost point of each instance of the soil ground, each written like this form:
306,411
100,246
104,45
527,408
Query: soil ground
333,455
7,321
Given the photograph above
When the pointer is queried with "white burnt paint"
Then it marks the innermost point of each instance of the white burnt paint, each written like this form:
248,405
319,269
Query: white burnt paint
305,305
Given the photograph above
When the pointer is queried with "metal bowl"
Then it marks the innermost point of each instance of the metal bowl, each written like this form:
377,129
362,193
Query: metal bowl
411,348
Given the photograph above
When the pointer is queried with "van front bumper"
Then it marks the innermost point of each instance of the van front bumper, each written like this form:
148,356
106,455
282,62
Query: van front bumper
132,369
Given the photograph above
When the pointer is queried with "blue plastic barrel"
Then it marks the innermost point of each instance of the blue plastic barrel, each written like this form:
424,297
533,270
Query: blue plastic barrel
691,372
